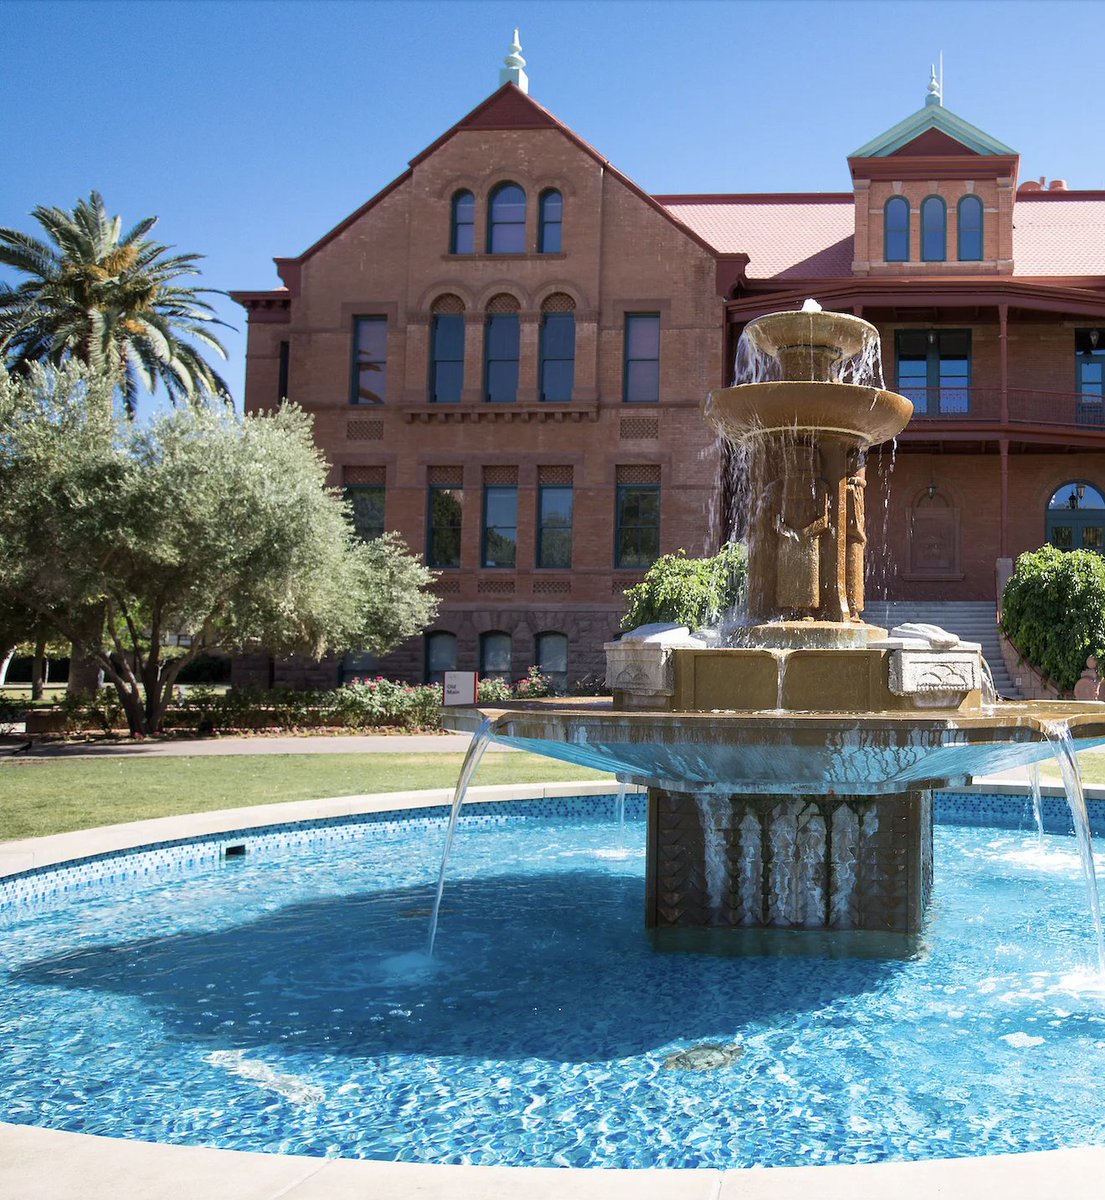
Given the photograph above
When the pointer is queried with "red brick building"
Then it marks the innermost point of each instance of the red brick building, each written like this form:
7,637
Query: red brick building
505,352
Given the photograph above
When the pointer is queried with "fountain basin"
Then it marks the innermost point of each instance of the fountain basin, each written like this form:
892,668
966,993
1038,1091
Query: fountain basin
861,753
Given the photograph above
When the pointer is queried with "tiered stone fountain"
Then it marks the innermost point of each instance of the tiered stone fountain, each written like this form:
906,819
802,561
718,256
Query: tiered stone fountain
790,771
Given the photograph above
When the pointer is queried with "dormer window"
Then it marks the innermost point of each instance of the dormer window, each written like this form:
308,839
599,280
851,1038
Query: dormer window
506,230
934,229
969,226
896,218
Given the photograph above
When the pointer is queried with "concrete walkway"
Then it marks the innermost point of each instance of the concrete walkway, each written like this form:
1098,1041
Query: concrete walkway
396,743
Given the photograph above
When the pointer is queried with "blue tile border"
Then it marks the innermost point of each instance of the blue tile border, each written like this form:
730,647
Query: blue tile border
1005,810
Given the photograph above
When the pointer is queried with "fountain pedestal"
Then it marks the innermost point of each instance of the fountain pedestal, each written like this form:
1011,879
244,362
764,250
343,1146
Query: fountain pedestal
826,863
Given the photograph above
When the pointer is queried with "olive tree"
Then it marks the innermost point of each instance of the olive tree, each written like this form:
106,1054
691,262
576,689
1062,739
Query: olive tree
198,532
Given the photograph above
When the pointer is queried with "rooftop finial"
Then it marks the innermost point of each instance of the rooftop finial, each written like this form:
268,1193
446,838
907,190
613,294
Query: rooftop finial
514,70
934,96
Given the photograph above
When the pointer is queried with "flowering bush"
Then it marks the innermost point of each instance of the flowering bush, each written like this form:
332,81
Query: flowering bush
494,691
533,686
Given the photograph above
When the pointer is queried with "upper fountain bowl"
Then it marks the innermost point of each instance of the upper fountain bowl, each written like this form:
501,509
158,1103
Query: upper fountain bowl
810,345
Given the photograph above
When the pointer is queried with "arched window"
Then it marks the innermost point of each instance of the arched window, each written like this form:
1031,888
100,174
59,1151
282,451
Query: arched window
550,222
1076,517
934,229
502,340
552,660
447,350
896,229
558,347
441,656
462,234
495,655
506,227
969,224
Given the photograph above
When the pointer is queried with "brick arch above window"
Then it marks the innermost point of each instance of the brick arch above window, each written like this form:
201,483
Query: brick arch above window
558,302
503,302
445,287
447,304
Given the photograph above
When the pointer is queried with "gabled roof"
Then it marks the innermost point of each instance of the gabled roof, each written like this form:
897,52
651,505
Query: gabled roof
507,108
934,116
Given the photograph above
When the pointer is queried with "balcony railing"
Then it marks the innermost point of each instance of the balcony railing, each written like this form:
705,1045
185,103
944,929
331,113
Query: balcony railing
1026,406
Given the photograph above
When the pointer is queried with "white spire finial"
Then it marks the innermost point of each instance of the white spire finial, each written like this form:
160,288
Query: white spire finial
514,70
933,96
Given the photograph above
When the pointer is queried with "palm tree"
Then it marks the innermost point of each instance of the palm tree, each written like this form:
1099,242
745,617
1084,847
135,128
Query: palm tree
112,301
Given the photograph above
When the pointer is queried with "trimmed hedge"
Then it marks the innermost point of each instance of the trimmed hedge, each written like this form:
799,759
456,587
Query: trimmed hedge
1053,611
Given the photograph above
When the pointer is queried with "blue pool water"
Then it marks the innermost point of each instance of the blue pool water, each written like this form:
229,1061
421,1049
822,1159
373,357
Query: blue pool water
281,1003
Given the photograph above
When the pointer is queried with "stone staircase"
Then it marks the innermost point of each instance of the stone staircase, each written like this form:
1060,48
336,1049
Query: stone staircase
972,620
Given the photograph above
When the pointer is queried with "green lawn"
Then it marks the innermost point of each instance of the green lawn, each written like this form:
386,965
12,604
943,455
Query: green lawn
39,797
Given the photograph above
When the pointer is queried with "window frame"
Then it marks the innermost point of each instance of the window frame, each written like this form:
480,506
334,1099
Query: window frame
620,526
927,203
489,321
935,386
438,635
497,224
558,680
975,202
886,228
363,489
543,526
545,225
630,319
435,360
431,526
486,528
544,357
456,225
357,365
485,641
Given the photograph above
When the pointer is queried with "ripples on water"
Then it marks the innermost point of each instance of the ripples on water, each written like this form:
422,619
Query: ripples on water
287,1005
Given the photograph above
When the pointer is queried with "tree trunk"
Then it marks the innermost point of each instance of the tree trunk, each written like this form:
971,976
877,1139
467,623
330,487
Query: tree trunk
85,670
5,662
40,670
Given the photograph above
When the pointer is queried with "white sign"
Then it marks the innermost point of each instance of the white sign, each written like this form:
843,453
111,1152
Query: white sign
460,687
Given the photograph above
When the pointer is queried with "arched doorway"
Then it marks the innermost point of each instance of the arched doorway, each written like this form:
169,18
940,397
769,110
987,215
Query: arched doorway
1076,517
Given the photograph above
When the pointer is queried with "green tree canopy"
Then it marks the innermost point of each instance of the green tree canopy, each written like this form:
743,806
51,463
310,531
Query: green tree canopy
202,528
1053,611
112,300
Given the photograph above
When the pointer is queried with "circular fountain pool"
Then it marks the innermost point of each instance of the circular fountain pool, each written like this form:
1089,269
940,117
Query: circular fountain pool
281,1002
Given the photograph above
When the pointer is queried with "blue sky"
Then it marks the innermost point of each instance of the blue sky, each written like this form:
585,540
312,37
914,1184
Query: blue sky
251,127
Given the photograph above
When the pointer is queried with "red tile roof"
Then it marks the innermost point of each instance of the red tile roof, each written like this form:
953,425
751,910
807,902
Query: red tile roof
811,236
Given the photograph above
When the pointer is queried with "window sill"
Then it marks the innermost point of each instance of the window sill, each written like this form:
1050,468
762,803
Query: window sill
573,411
525,255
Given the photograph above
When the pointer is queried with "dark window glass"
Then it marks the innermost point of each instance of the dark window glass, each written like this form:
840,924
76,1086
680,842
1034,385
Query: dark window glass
359,665
642,358
500,526
552,660
462,237
370,360
495,655
934,369
896,218
637,534
1089,359
934,230
447,358
506,233
441,656
443,526
558,355
970,229
551,223
554,526
367,503
501,358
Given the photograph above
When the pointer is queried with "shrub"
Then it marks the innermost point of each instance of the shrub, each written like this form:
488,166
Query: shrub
688,591
534,686
494,691
10,712
1053,611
